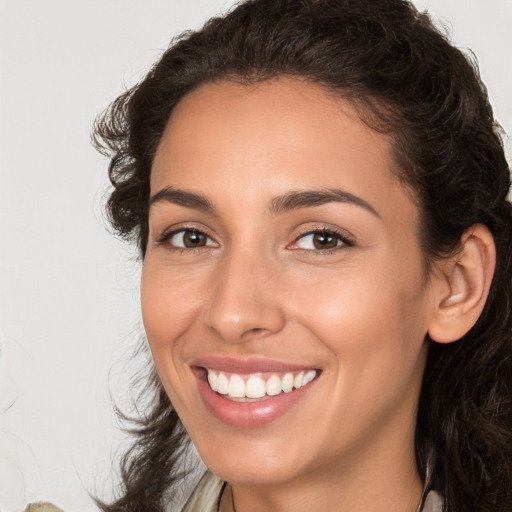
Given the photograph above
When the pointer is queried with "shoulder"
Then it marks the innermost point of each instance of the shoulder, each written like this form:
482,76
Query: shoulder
42,507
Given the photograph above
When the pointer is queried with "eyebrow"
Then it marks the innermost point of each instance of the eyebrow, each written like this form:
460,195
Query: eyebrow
293,200
182,198
310,198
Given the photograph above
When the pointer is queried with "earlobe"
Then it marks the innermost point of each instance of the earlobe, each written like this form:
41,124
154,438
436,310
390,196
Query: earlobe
462,285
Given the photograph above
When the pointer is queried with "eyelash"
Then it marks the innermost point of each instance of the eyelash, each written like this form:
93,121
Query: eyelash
345,240
165,238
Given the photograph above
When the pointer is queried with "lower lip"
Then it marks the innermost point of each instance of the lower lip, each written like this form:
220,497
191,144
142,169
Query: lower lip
248,414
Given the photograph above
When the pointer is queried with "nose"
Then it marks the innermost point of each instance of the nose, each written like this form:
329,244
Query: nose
244,301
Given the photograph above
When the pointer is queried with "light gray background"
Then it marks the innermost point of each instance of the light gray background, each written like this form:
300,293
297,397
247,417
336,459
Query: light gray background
69,313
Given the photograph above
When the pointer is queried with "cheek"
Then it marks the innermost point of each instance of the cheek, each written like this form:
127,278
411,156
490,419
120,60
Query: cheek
374,330
342,302
170,300
366,315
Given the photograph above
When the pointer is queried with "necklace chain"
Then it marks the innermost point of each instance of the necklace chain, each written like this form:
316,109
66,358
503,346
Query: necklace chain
232,499
226,485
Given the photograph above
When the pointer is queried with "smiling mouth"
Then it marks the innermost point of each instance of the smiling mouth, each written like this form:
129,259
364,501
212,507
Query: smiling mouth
257,386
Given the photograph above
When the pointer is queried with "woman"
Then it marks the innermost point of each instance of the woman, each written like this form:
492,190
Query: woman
320,199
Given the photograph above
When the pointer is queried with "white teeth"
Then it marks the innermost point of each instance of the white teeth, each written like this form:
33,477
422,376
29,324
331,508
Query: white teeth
273,385
236,386
222,384
297,383
213,381
256,387
308,377
287,384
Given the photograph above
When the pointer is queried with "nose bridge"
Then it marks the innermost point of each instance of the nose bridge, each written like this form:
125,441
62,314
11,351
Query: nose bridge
244,298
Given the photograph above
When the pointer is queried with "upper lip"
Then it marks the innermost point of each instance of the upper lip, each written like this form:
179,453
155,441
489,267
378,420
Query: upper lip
248,365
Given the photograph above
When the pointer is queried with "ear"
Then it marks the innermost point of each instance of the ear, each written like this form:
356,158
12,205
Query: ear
461,286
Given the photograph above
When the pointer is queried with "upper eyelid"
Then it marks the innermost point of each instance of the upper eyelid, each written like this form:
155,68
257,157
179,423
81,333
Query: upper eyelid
341,233
169,232
184,226
316,252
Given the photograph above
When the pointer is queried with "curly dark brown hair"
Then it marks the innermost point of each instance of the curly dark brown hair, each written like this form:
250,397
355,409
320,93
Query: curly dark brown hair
407,80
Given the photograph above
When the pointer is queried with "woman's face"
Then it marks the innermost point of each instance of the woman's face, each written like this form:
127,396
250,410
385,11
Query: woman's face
282,248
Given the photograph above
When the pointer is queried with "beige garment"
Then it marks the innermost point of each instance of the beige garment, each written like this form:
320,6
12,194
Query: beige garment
42,507
205,497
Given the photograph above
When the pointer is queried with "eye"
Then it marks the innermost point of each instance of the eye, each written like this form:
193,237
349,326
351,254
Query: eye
188,239
321,240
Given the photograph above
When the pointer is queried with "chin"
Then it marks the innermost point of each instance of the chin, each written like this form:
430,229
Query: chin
250,462
252,473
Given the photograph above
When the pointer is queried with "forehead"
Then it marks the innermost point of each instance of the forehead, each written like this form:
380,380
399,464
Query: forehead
237,140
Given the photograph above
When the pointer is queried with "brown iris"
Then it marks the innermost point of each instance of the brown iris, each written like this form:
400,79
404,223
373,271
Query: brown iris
192,238
324,241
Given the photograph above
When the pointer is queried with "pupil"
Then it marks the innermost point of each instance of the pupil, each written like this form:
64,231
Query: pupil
194,239
323,241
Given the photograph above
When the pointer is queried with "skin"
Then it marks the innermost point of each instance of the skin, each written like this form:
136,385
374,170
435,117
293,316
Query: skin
259,288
